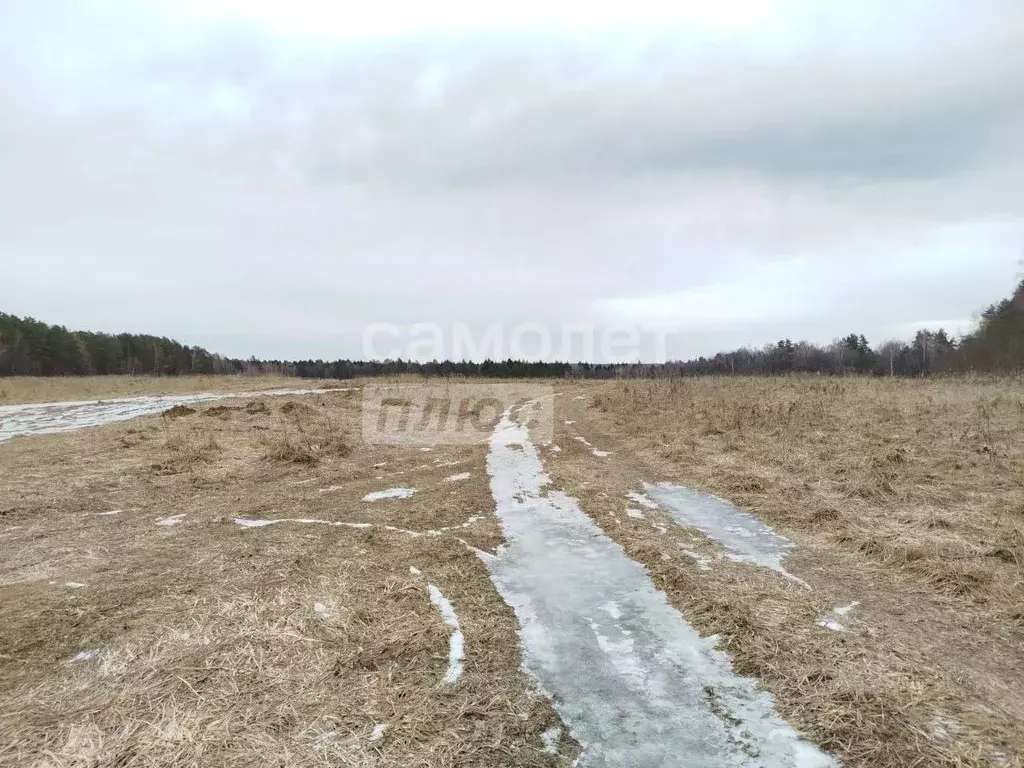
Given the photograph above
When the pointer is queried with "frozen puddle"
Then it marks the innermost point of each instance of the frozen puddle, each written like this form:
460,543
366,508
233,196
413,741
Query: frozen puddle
390,493
47,418
635,684
745,538
456,641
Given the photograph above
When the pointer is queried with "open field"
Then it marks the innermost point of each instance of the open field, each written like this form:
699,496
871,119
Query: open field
50,389
905,496
142,624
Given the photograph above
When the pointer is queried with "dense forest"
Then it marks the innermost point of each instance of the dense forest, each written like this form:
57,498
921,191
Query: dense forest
32,348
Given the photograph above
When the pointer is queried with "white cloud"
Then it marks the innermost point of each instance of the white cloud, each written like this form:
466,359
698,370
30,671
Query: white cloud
267,182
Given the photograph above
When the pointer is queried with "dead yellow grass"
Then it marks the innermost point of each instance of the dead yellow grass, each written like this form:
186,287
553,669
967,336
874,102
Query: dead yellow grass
51,389
282,645
907,496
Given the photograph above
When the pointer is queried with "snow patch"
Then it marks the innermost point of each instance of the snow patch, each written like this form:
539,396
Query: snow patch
319,609
111,512
570,422
551,737
50,418
832,624
593,450
415,571
642,499
555,449
643,688
458,477
842,611
745,538
73,584
169,521
85,655
390,493
635,513
378,732
456,641
306,521
702,561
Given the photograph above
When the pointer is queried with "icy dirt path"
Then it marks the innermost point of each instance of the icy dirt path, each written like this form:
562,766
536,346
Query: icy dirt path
46,418
633,682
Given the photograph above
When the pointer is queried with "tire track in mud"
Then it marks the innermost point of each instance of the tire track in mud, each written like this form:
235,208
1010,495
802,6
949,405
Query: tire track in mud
633,682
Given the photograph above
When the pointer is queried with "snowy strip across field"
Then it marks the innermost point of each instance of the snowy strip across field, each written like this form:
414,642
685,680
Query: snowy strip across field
46,418
634,683
456,641
745,538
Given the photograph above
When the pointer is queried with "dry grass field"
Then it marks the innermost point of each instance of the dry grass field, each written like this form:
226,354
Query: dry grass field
51,389
169,635
905,496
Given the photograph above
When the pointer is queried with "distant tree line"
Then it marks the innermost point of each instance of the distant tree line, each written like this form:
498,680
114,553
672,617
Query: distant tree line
996,345
32,348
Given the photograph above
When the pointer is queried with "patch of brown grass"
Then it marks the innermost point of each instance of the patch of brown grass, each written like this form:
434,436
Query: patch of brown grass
49,389
210,649
903,495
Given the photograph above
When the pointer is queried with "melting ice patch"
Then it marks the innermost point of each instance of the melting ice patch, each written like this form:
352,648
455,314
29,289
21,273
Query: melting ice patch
626,673
842,611
390,493
642,499
593,450
832,624
456,641
745,538
47,418
171,520
551,737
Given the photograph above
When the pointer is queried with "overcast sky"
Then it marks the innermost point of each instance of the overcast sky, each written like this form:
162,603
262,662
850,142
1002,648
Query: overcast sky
269,177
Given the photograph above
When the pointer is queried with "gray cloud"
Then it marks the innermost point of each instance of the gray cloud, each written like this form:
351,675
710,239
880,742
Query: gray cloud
266,194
